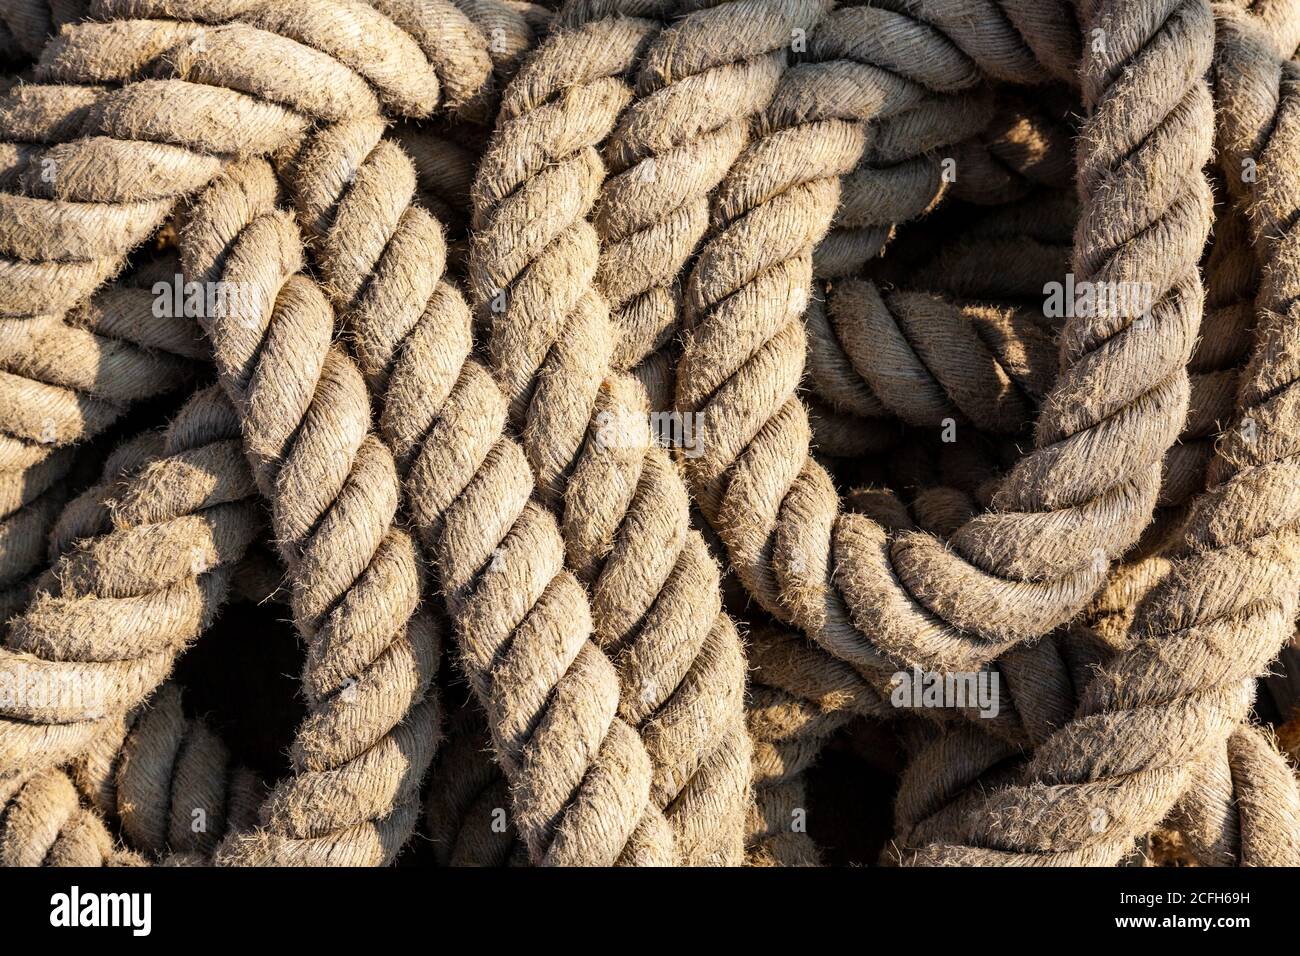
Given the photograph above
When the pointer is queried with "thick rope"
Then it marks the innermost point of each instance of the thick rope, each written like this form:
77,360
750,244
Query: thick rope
162,796
1215,620
580,775
1089,486
1239,808
900,176
109,618
467,813
926,359
672,146
372,723
249,79
1127,568
169,781
799,696
44,823
67,381
1243,806
586,429
1015,41
1027,148
169,135
848,369
31,22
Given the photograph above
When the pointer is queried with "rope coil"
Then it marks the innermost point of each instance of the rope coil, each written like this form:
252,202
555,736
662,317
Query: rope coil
616,399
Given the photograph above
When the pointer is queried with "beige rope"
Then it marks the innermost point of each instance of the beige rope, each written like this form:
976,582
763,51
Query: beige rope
580,774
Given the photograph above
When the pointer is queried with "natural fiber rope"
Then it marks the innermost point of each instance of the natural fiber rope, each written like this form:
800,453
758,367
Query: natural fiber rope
844,355
466,814
924,358
1087,489
91,512
1242,807
946,774
169,780
415,53
972,266
1248,775
241,87
399,87
799,696
1007,269
1015,41
633,750
372,724
899,176
70,380
111,615
173,144
166,136
623,508
42,819
84,516
1004,363
444,169
672,146
580,775
166,779
511,28
1213,623
1026,148
1240,804
1007,256
44,823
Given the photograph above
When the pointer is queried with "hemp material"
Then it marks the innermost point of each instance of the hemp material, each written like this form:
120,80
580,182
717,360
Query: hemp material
444,417
1227,604
692,371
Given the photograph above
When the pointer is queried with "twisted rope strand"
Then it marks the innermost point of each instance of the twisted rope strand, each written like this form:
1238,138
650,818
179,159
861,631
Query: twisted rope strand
1212,624
670,149
586,428
169,780
67,381
1242,807
111,615
1089,486
372,724
44,823
240,87
580,775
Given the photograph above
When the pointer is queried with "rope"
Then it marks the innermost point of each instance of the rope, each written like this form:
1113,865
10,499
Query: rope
111,615
689,370
1227,604
622,506
1089,486
333,491
499,557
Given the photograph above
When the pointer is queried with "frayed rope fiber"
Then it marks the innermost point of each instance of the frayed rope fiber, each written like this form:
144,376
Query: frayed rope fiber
498,433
